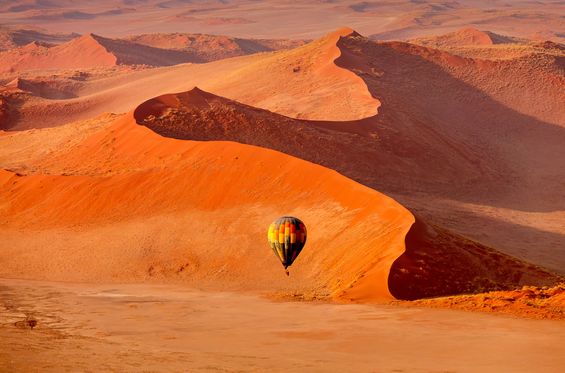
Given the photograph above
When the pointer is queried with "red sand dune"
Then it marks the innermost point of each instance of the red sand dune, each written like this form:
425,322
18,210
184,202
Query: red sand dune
176,210
131,194
436,262
82,52
456,166
477,44
302,82
463,142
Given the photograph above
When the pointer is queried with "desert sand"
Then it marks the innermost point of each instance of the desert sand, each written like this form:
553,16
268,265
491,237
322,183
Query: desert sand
389,19
165,328
97,175
454,164
142,159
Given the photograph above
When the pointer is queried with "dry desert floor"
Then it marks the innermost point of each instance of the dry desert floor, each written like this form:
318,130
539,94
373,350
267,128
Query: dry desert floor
146,328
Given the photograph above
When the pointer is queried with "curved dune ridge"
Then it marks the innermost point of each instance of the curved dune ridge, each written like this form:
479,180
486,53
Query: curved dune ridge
436,261
126,187
147,207
459,168
140,207
304,82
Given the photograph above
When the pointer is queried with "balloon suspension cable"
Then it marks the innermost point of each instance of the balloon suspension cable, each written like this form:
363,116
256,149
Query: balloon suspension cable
286,271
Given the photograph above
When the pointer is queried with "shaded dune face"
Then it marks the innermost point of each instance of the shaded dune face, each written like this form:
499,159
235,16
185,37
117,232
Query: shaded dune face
436,262
475,143
439,263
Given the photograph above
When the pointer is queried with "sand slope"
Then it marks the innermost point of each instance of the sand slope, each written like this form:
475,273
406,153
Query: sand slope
205,48
82,52
139,197
408,158
11,38
171,210
470,42
303,82
468,158
436,262
501,126
463,37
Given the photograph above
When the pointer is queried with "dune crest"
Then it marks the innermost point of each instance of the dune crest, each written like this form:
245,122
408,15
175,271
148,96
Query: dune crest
463,37
306,82
125,186
416,149
436,262
82,52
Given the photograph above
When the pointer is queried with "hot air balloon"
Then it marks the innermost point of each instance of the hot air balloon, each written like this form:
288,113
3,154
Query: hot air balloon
287,237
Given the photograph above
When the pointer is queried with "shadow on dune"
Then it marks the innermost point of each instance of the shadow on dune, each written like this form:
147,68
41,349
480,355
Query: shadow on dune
436,262
453,140
436,137
439,263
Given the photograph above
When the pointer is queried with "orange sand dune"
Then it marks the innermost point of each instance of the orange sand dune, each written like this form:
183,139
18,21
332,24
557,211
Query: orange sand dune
171,210
204,48
472,145
126,188
380,156
477,44
469,158
436,262
86,51
302,82
82,52
305,82
501,127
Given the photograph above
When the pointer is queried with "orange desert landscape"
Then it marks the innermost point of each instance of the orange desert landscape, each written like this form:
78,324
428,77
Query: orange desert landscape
146,146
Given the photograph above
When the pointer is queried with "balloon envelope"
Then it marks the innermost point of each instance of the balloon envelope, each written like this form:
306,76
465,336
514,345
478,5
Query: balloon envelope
287,236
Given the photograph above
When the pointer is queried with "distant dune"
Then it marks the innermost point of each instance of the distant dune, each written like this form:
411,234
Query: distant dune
300,19
472,43
205,48
89,51
13,38
82,52
276,81
464,37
